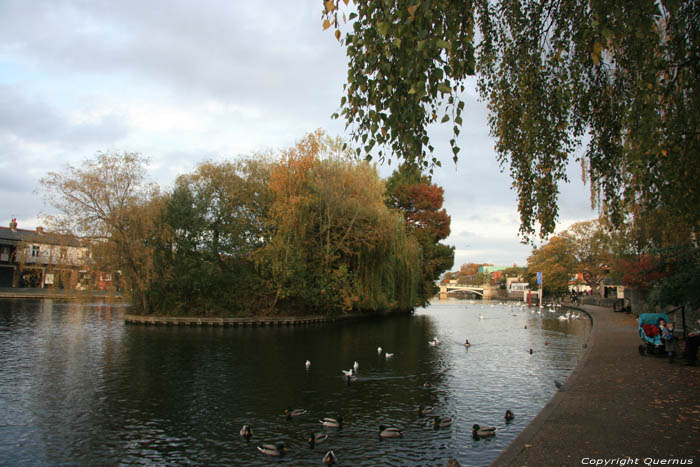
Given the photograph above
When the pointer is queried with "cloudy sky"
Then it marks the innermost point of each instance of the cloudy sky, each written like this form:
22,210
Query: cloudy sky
181,82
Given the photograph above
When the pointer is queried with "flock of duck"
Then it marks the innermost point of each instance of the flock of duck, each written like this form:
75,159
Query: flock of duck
385,432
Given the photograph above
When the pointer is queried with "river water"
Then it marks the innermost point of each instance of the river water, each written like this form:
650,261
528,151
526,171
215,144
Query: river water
79,387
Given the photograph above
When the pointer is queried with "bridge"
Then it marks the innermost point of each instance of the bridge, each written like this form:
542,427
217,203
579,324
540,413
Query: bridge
484,290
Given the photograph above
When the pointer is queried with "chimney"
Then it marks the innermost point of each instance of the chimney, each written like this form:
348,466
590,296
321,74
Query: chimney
13,224
40,230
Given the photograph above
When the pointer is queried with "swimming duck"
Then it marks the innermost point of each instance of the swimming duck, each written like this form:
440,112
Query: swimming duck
329,458
423,410
355,366
294,412
308,364
466,343
389,355
379,350
432,343
483,431
278,449
315,439
389,432
509,415
246,432
441,422
347,373
332,422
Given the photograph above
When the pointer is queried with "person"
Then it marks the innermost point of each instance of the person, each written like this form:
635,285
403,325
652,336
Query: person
670,341
691,345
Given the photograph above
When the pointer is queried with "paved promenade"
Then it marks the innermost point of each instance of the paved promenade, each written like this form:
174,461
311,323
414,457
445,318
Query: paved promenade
616,404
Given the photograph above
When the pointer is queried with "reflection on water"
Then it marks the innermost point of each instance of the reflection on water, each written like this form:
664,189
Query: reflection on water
77,386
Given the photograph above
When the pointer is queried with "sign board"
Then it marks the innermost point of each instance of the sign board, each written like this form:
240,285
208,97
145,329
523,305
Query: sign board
539,278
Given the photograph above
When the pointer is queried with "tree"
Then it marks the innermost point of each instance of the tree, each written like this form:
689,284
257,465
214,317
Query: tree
108,202
335,246
217,218
406,61
591,250
621,77
555,261
420,201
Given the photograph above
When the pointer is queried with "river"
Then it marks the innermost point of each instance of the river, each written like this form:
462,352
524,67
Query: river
79,387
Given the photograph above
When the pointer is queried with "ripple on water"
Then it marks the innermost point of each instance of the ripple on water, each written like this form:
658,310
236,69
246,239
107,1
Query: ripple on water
79,387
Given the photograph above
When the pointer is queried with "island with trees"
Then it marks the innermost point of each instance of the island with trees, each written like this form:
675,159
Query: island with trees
307,231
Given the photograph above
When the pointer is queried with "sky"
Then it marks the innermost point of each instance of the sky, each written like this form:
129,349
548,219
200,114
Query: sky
181,82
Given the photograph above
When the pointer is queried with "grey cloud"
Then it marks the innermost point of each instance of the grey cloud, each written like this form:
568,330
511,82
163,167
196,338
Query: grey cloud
227,50
33,119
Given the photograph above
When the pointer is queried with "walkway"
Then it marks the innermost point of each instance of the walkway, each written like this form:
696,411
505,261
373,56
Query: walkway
616,404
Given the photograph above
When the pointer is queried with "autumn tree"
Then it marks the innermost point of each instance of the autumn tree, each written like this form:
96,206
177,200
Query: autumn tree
108,202
420,201
613,85
335,245
555,261
591,250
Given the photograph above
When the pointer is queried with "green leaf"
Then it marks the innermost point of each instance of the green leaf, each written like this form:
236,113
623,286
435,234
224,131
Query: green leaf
446,118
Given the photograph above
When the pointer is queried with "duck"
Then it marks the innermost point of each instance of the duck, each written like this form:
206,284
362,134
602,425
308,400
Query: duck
332,422
329,458
278,449
389,355
509,416
483,431
379,350
294,412
315,439
308,364
427,385
432,343
424,410
355,366
467,343
246,432
347,373
389,432
441,422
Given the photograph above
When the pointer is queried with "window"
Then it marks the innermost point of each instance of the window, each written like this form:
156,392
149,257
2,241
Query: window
5,253
64,253
35,251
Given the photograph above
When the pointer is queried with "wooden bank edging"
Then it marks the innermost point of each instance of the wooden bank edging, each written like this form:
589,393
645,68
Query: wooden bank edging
258,321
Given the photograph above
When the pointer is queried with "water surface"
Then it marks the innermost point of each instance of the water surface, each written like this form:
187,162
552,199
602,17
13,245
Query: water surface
79,387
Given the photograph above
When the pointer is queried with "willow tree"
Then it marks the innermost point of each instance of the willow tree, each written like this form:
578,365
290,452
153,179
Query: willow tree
613,85
335,245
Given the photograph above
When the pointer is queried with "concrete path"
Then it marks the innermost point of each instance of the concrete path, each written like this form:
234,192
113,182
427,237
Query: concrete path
616,405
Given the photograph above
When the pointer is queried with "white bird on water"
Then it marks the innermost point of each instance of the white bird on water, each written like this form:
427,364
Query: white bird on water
308,364
355,366
389,355
379,350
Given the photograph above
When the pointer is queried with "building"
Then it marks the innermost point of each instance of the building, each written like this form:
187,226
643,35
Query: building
35,258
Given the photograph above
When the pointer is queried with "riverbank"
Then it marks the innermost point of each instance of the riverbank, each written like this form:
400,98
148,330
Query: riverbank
58,294
615,405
